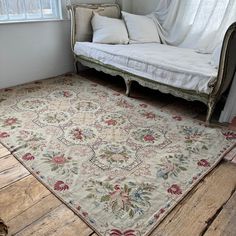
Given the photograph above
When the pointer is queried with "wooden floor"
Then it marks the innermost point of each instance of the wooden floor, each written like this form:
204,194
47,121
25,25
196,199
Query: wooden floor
28,208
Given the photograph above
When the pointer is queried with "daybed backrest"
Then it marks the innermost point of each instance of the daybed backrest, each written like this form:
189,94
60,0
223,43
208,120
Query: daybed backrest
227,67
81,15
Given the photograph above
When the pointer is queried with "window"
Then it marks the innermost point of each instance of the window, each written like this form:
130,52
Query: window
28,10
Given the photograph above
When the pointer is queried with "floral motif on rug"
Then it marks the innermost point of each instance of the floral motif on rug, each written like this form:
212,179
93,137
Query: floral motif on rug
118,163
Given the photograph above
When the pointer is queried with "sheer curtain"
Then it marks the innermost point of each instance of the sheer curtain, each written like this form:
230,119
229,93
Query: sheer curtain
198,24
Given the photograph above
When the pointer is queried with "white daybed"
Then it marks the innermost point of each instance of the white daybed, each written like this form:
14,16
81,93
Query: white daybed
179,71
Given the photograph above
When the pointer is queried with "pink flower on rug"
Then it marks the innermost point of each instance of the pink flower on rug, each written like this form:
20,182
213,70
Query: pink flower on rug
111,122
117,232
10,121
117,187
230,135
178,118
60,186
157,216
123,103
203,163
174,189
59,160
4,135
85,214
28,157
149,138
66,94
78,134
120,197
150,115
143,105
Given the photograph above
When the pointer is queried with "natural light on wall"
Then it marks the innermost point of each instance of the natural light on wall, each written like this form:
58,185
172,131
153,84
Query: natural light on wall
29,10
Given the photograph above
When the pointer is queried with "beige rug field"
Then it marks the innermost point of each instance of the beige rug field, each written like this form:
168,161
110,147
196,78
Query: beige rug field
118,163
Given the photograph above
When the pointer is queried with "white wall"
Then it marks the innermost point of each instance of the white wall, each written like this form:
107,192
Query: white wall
38,50
32,51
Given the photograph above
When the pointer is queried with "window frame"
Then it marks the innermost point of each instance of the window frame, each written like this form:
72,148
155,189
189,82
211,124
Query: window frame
58,16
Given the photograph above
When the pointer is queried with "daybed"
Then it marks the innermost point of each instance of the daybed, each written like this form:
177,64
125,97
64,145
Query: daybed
181,72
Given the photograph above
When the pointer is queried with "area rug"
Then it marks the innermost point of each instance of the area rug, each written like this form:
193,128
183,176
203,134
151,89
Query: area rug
118,163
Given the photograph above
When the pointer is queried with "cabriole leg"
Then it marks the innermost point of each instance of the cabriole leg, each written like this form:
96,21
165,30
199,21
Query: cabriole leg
211,106
76,66
128,87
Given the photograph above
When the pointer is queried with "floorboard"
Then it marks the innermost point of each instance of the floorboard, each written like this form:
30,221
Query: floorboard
11,171
19,196
3,151
33,213
59,222
193,215
225,222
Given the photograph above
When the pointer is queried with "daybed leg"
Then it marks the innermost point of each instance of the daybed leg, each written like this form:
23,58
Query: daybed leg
211,106
128,86
76,67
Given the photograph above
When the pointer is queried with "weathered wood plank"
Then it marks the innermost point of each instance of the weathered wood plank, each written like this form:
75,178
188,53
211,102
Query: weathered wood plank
59,222
3,151
192,215
225,222
11,170
19,196
33,213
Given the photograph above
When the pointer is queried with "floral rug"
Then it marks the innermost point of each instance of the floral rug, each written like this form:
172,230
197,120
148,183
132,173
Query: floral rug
118,163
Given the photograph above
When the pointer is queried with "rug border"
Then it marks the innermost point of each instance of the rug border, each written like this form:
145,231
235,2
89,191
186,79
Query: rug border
50,189
228,149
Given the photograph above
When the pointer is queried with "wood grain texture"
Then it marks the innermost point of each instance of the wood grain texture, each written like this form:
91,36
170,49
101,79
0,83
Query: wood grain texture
225,222
19,196
59,222
3,151
33,213
11,170
193,214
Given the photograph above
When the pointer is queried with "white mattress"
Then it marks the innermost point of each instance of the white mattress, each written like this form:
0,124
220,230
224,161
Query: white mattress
179,67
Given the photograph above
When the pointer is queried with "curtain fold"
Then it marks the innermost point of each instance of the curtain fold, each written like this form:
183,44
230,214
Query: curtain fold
198,24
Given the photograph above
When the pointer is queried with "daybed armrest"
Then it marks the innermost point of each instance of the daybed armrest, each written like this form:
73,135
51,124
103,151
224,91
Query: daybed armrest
227,67
81,15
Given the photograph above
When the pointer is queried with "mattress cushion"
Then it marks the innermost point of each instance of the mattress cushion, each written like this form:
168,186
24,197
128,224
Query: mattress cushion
177,67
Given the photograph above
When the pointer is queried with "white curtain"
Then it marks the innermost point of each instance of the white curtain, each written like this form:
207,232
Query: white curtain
198,24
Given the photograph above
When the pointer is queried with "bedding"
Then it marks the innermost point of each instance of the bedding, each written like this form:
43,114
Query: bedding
178,67
141,29
215,58
109,30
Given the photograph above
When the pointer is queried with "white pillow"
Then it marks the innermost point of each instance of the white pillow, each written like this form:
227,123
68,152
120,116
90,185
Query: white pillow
215,58
109,30
141,29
